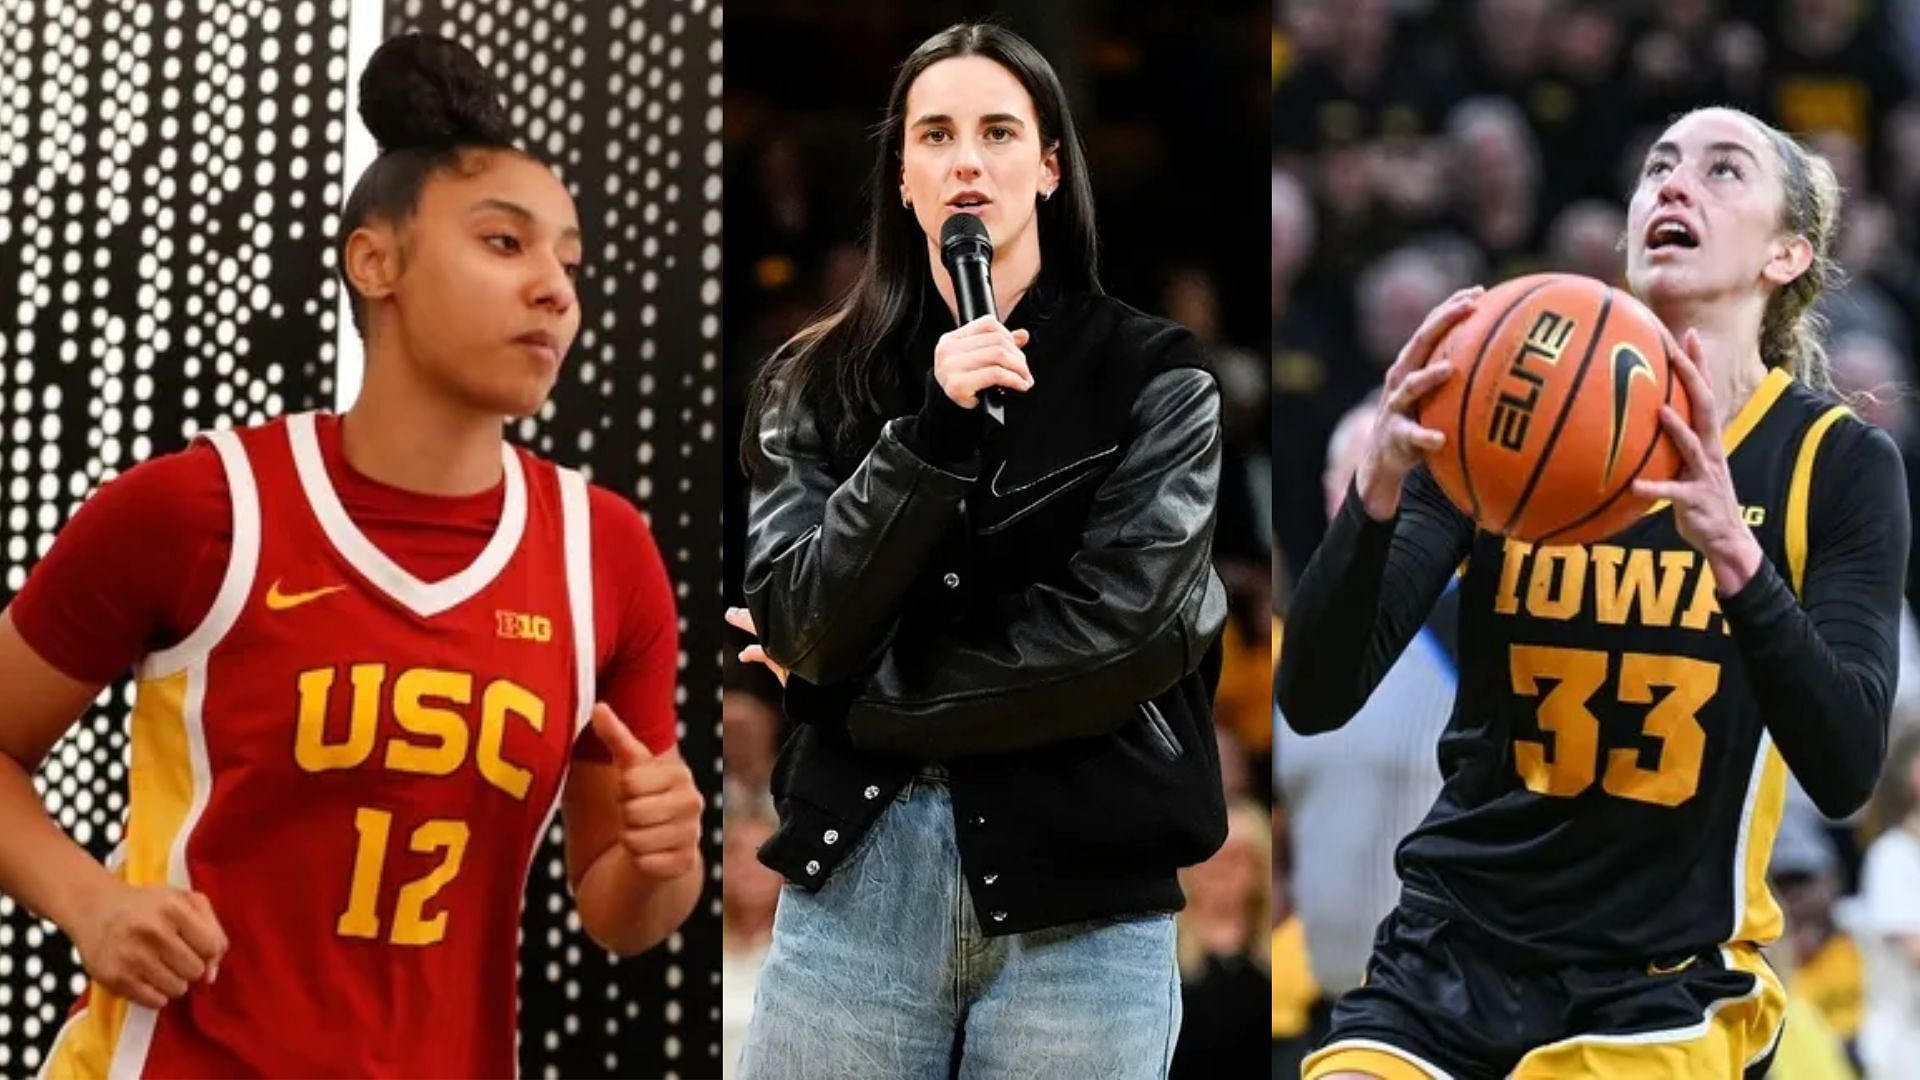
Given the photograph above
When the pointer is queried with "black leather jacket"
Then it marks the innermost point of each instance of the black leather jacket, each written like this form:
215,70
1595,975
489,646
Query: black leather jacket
1040,615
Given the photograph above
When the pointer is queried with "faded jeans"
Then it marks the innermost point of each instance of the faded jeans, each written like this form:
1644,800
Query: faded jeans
884,974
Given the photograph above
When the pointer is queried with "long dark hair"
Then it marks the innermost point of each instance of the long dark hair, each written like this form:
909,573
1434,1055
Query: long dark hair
427,101
839,361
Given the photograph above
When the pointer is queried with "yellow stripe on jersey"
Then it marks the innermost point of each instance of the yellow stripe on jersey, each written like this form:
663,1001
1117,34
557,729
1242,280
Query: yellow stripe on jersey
84,1049
1734,1034
160,792
1372,1059
160,780
1799,492
1776,382
1760,919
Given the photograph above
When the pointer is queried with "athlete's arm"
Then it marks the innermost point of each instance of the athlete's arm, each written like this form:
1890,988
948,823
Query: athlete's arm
631,808
1387,554
1823,669
1138,609
1363,596
92,607
633,844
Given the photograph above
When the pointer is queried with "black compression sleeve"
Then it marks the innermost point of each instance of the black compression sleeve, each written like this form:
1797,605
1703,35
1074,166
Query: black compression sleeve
1364,594
1823,669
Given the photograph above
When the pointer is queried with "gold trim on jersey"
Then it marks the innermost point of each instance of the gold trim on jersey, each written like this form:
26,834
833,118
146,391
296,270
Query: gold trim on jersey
1776,382
1798,494
1368,1057
1735,1034
1759,918
1748,418
160,794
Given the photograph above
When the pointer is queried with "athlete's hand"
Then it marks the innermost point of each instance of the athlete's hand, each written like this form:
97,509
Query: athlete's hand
1706,509
659,802
1399,442
981,354
148,944
741,619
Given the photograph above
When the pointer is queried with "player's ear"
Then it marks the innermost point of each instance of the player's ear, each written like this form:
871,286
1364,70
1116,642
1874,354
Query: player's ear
373,260
1790,257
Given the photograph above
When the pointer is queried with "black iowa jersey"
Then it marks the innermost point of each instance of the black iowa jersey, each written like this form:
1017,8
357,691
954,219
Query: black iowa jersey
1610,786
1611,783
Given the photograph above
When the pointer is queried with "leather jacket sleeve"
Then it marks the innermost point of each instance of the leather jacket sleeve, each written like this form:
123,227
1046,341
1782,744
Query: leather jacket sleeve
1064,661
828,561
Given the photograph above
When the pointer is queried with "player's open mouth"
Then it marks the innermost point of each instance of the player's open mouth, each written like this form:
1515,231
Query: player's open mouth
1670,233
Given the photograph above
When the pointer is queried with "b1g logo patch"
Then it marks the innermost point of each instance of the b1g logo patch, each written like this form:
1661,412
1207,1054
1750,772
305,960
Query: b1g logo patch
519,626
1513,412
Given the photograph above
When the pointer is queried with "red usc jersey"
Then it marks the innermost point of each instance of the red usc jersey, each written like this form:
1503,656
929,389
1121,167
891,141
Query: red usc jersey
354,766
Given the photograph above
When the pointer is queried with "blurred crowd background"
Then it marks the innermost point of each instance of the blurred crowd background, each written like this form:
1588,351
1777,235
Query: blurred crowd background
1421,146
1172,103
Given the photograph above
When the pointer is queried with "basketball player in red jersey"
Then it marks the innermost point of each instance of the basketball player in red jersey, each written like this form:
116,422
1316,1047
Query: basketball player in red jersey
369,648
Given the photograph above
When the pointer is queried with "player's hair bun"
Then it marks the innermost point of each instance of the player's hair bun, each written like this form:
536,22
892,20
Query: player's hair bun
423,90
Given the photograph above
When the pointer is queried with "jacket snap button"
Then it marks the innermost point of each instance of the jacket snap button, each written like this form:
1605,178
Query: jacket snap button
872,792
999,916
976,821
991,878
831,836
951,581
813,867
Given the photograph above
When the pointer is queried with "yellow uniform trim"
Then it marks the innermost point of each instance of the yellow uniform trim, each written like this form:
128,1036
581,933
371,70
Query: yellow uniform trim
1776,382
160,791
1760,919
1798,492
1374,1059
1734,1034
1771,387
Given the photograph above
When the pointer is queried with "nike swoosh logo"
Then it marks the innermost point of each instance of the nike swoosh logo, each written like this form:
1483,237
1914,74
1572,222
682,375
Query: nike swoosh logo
1016,501
1656,969
279,601
1628,364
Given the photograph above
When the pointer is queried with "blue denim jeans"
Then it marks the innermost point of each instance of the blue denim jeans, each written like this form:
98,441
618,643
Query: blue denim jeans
884,974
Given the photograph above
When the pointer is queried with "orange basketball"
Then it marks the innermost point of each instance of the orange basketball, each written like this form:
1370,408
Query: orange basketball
1554,409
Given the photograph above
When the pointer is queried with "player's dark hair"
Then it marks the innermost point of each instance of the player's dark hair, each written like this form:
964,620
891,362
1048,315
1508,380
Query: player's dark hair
839,362
428,102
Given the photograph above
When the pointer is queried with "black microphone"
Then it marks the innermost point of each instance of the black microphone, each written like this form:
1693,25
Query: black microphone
967,252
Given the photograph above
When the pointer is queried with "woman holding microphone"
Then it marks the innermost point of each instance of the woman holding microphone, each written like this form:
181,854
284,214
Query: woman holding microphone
998,632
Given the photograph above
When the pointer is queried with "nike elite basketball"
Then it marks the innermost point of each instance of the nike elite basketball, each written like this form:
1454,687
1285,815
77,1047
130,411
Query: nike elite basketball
1554,409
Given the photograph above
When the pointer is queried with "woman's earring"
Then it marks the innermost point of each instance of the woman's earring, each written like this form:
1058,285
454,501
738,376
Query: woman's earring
906,202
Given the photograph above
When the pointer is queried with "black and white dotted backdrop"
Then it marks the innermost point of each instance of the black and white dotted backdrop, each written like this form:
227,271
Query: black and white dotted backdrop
170,178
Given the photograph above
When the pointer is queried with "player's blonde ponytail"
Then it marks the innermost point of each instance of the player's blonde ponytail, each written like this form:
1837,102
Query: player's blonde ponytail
1791,331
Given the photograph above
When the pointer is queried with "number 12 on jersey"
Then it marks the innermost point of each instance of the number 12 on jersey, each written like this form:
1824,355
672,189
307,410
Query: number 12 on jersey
1565,681
411,926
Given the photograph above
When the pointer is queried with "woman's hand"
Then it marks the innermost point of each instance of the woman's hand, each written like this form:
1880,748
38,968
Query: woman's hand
1706,509
659,802
979,355
741,619
1399,442
148,944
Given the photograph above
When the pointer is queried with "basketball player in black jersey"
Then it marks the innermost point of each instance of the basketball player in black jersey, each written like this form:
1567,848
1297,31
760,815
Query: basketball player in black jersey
1588,896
